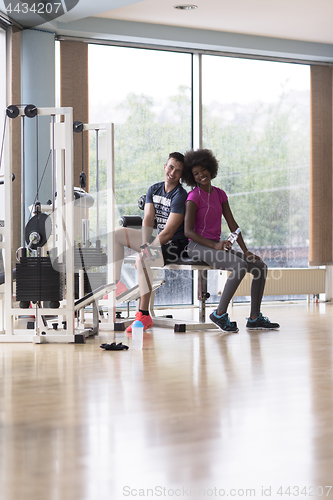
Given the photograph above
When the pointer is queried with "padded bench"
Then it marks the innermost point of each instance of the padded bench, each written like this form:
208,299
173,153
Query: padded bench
184,263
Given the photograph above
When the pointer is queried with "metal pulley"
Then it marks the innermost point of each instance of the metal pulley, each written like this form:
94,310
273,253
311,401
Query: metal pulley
77,127
38,230
142,202
30,111
12,111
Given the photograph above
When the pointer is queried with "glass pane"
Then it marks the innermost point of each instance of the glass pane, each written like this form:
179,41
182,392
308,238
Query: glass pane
147,95
257,122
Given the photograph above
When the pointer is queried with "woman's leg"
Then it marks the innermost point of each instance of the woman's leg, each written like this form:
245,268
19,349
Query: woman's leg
258,269
220,259
259,272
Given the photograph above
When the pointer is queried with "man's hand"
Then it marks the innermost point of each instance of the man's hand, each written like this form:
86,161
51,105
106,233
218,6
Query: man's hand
150,252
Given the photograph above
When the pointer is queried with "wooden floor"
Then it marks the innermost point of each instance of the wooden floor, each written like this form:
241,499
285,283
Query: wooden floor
195,415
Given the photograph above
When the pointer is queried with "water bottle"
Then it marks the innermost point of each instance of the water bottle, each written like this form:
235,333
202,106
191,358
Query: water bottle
233,236
137,335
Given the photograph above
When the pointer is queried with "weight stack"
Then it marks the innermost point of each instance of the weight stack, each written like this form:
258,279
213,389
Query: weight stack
86,258
91,282
37,280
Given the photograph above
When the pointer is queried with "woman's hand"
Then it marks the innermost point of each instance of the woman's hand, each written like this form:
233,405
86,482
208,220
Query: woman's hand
251,256
222,245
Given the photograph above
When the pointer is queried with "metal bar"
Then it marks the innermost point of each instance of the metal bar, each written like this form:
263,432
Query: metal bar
53,174
111,205
202,295
69,220
8,236
22,182
97,188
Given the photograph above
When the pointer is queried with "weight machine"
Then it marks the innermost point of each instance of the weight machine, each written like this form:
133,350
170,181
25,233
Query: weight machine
43,299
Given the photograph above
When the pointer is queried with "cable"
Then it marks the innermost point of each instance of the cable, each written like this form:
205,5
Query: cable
37,147
208,207
82,152
47,161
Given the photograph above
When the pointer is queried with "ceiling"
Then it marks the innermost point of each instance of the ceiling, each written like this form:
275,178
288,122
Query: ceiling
303,20
306,20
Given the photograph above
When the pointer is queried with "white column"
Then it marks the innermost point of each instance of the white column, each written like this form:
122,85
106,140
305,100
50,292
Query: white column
197,100
329,283
38,87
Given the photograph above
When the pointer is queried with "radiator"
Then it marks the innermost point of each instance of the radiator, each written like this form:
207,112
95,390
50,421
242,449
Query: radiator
284,281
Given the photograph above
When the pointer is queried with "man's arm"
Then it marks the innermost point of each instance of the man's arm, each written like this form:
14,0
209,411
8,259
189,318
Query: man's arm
173,223
175,218
148,222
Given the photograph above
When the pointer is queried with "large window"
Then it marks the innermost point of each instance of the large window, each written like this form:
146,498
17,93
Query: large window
256,120
147,95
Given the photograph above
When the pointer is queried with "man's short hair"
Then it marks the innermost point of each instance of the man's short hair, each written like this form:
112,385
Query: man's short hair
177,156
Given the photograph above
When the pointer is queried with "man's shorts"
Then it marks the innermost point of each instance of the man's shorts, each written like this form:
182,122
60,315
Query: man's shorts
173,250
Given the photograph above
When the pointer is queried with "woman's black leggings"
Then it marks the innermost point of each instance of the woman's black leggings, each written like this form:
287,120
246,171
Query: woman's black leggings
239,265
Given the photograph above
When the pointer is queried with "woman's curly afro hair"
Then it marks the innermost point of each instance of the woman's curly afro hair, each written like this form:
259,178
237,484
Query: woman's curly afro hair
200,157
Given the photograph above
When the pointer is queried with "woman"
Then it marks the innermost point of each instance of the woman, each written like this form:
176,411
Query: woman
205,206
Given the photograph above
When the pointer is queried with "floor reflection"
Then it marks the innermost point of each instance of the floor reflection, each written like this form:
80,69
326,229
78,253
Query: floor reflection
203,409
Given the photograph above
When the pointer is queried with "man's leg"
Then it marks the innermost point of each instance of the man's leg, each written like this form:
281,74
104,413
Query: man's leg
125,237
145,279
132,238
145,275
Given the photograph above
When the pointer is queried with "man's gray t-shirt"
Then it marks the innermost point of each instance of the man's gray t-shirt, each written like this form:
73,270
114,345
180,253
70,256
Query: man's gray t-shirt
166,203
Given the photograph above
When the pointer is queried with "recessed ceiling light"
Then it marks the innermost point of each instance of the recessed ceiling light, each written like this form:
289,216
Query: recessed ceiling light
185,7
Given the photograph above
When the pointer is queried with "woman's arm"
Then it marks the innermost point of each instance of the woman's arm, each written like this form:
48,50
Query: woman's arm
232,224
190,212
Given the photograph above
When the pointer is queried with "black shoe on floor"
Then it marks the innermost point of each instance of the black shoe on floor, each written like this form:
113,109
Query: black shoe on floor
224,322
261,323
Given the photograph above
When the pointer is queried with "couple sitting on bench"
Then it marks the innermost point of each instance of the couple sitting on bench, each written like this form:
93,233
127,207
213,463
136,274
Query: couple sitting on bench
196,230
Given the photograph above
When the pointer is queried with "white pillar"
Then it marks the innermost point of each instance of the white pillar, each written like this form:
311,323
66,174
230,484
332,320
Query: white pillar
329,283
38,88
197,101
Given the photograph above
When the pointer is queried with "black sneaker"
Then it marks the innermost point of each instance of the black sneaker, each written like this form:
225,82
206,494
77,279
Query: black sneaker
261,323
224,322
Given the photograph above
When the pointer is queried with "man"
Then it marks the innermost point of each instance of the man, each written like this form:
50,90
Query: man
165,202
